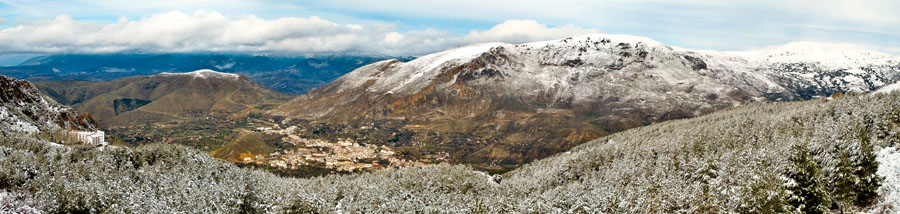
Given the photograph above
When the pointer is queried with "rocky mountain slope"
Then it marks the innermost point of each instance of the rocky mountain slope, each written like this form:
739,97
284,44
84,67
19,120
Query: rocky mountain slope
24,109
519,102
163,97
285,74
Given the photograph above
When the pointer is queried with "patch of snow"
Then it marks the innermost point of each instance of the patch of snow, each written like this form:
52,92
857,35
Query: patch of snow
225,66
888,88
425,66
117,70
55,144
22,126
16,202
470,51
411,76
204,74
855,71
318,65
889,168
362,74
15,124
855,84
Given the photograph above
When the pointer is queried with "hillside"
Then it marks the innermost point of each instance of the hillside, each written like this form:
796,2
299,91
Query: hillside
164,97
508,104
246,145
285,74
24,109
813,156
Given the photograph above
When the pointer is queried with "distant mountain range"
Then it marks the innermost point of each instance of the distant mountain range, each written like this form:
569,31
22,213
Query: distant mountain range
164,97
520,102
285,74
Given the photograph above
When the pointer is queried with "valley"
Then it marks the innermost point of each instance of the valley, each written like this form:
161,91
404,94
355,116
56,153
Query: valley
492,106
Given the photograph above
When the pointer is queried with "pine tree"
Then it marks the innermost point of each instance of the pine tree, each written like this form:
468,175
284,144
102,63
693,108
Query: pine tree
865,167
807,193
843,181
855,181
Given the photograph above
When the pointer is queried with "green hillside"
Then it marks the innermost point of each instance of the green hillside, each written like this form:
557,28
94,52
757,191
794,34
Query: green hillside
162,98
247,144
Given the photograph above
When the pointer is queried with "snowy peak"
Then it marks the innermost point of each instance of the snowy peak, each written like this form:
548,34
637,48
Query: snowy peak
432,61
829,55
204,74
393,76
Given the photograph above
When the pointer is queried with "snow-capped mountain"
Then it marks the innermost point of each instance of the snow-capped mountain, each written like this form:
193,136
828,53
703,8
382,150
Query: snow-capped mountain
24,109
548,96
204,74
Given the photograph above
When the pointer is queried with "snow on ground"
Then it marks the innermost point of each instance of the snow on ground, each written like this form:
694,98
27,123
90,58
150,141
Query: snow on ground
889,168
422,69
14,123
463,53
204,74
225,66
412,76
16,202
888,88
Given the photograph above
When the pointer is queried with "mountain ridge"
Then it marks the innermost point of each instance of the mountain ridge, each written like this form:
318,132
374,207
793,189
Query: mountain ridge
282,73
162,97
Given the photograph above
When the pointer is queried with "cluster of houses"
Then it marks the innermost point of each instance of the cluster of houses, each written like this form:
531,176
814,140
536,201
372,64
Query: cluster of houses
343,155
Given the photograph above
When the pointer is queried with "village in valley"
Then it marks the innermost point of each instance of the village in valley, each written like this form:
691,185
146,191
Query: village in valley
301,149
345,155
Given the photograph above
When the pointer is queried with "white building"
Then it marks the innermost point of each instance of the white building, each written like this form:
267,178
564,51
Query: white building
89,137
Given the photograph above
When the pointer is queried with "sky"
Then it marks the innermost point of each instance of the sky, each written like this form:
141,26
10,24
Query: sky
418,27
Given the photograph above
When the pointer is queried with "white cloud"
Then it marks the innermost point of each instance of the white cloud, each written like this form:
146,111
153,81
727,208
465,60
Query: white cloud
426,26
210,31
700,24
521,31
